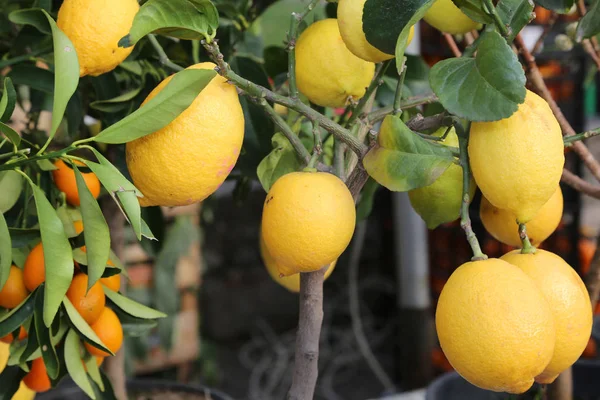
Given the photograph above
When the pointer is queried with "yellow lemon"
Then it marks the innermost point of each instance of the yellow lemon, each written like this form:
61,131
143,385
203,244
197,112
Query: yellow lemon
290,282
187,160
308,220
24,393
349,17
495,326
95,28
569,302
502,224
326,71
444,16
517,162
440,202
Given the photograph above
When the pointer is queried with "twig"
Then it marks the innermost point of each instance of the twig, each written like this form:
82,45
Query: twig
547,28
465,219
375,83
162,56
294,140
568,140
579,184
452,44
307,339
357,327
592,279
412,102
489,7
398,94
538,81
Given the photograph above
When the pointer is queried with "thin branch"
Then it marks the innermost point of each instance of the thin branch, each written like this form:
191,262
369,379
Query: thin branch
580,184
375,83
488,5
538,82
452,44
568,140
294,140
162,56
412,102
527,248
398,94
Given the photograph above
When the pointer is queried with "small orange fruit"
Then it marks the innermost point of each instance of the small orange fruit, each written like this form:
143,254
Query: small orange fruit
78,225
34,272
112,282
109,330
64,178
9,338
89,303
14,290
37,378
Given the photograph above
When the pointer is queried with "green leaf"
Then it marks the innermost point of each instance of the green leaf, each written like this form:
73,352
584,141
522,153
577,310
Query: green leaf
488,87
515,14
34,77
121,101
73,363
82,327
10,134
276,61
44,338
10,379
184,19
23,353
8,100
133,326
94,371
57,254
56,339
418,10
475,10
23,237
280,161
111,178
66,64
402,160
560,6
16,317
131,205
5,251
96,233
589,25
46,165
365,204
163,108
131,307
104,391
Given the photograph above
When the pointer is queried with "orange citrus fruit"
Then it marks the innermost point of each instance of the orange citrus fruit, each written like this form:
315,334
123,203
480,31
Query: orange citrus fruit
112,282
14,290
109,330
64,178
37,378
89,303
34,271
9,338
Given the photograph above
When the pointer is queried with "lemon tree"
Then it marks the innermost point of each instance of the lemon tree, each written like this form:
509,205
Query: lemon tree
158,104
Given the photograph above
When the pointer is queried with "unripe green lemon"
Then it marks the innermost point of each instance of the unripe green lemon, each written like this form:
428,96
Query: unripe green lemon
444,16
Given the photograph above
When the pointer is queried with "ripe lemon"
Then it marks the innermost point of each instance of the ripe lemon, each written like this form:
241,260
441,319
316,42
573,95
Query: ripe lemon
495,326
569,302
95,28
187,160
290,281
440,202
517,162
444,16
349,18
308,220
326,71
502,224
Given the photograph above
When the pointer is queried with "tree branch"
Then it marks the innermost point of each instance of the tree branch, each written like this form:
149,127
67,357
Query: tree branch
412,102
452,44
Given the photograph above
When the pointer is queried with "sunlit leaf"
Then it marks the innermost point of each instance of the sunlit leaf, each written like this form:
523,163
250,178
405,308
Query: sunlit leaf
74,366
82,327
12,320
280,161
131,307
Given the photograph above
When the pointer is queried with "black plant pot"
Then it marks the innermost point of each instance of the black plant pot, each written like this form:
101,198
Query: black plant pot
451,386
68,390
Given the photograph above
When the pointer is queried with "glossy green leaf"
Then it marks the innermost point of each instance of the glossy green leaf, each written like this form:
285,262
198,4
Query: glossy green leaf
104,391
96,233
16,317
184,19
56,339
73,363
131,307
44,338
384,20
66,64
5,251
133,326
46,165
515,14
23,237
130,203
418,10
10,379
402,160
158,112
23,353
121,102
10,133
475,10
57,254
488,87
560,6
8,100
94,371
280,161
34,77
589,25
82,327
146,232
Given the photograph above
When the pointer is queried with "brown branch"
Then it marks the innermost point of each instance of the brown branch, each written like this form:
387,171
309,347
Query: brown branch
547,28
580,185
306,362
452,45
537,80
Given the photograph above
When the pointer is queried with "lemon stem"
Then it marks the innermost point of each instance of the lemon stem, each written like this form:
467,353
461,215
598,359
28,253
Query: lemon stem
398,96
465,219
528,248
375,83
489,8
